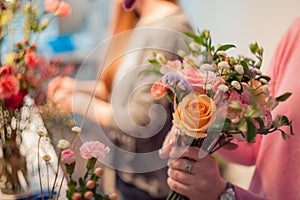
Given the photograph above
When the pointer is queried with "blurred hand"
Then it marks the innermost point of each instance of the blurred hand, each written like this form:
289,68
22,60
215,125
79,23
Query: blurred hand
60,93
202,182
168,144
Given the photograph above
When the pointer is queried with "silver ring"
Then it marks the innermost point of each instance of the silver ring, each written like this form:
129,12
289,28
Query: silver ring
188,166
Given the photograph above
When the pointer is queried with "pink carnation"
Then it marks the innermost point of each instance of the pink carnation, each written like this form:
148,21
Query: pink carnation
51,5
158,90
64,9
93,149
31,59
68,157
9,85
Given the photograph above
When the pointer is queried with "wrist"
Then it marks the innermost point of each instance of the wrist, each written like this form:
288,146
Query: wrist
228,193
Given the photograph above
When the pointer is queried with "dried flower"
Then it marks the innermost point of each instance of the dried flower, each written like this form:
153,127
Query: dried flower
63,144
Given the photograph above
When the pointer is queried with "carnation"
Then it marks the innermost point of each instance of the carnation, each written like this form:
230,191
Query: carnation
93,149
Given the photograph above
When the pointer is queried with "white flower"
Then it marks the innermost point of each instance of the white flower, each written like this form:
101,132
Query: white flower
63,144
206,67
161,58
223,88
236,85
208,86
223,65
76,129
239,69
221,53
263,81
194,46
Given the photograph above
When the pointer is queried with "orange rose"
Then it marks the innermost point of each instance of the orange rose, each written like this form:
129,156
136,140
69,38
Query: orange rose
194,114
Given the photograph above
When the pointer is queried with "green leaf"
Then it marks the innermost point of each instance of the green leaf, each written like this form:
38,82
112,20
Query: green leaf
155,63
197,38
284,97
251,130
254,47
225,47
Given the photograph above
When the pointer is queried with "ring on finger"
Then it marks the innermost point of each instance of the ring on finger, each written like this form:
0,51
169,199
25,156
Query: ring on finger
188,166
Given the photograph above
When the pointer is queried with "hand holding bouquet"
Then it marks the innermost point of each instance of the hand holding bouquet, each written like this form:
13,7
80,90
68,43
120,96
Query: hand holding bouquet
217,97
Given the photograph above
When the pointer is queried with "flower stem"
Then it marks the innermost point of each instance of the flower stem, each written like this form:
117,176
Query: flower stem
56,174
39,168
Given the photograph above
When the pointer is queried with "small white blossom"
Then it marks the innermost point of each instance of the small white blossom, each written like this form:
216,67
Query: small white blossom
76,129
223,65
161,58
13,123
206,67
208,86
194,46
239,69
63,144
223,88
257,71
221,53
236,85
263,81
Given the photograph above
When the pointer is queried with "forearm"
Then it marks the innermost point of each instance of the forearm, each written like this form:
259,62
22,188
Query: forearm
94,109
90,87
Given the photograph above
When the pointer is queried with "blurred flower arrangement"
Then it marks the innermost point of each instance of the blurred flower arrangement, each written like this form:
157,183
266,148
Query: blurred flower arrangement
24,74
88,185
217,97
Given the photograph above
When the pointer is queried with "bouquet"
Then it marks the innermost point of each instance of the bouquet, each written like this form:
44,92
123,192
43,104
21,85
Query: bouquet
217,97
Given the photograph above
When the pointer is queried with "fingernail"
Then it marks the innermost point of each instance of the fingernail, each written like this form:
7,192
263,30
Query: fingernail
171,141
160,151
202,153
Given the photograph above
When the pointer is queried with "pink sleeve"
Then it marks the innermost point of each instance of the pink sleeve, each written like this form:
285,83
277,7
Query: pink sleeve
242,194
245,154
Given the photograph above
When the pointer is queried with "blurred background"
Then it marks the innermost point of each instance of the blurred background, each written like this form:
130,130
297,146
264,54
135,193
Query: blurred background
240,22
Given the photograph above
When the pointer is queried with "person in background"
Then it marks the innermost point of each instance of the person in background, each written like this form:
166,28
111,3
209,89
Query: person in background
276,174
124,104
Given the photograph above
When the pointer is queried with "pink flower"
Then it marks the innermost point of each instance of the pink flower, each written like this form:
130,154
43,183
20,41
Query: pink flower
93,149
198,78
68,157
31,59
9,85
158,90
51,5
64,9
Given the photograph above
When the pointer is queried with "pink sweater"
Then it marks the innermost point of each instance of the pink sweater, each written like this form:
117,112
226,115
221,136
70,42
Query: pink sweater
277,173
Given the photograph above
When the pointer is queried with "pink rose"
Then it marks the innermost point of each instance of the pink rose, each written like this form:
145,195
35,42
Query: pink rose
198,78
93,149
158,90
9,85
68,157
31,59
64,9
51,5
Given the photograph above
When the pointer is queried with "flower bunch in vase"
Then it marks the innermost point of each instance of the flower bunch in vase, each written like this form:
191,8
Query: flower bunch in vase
23,73
217,97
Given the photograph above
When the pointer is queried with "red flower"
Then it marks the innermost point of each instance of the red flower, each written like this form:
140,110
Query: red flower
51,5
6,70
9,85
16,100
31,59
